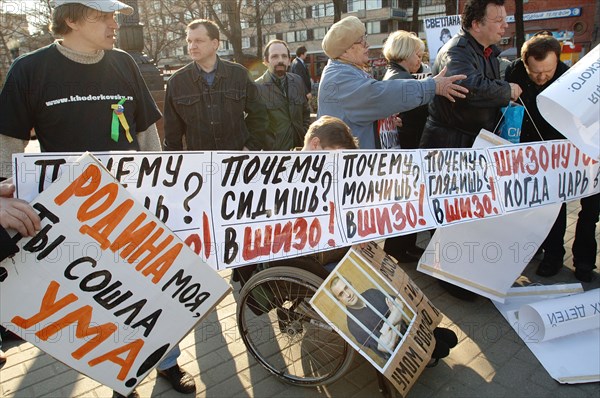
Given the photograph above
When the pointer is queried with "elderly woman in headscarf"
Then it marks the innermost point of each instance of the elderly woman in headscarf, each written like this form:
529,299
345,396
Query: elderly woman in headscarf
349,92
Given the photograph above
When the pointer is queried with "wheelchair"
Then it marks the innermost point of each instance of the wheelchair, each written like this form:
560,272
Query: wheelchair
288,337
280,328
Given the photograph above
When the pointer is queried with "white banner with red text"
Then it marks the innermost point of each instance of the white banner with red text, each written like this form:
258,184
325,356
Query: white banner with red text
236,208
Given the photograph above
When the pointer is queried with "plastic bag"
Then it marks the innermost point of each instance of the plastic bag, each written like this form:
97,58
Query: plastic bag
512,120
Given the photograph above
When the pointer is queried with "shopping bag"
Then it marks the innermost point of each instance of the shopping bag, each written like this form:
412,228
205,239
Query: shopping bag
512,120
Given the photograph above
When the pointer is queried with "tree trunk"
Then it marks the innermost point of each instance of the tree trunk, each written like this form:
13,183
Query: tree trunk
414,26
519,26
259,42
451,7
337,10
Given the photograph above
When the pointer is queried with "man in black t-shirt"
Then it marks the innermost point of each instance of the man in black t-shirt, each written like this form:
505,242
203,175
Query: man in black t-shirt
80,94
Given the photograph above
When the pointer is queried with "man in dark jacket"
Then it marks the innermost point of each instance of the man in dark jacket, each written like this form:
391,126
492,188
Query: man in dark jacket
538,67
206,100
299,67
284,95
473,53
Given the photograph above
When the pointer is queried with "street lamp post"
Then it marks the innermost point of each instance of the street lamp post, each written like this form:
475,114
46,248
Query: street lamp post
131,39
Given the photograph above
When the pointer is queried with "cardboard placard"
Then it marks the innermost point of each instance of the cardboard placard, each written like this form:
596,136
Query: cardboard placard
104,286
380,312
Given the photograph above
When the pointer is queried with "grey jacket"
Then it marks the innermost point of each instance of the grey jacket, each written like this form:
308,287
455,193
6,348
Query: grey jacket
352,95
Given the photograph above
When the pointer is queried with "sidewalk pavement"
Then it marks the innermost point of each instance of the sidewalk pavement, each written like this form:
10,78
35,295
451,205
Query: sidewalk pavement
489,361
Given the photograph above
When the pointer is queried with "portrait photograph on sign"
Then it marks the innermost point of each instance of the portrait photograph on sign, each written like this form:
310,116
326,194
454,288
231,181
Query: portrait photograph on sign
366,309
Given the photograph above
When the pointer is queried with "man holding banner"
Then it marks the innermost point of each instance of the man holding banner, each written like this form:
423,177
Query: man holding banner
80,94
473,53
539,67
15,214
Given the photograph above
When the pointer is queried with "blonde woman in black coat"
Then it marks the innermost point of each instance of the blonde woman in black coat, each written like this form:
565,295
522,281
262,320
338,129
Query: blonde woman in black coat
404,51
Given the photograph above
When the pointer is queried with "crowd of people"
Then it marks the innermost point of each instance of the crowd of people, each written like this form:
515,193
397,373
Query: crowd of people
213,104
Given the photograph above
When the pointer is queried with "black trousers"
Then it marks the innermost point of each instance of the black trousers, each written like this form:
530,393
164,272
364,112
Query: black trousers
585,245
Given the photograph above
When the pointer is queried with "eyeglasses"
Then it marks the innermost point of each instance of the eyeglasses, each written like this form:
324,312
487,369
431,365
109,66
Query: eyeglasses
363,41
499,21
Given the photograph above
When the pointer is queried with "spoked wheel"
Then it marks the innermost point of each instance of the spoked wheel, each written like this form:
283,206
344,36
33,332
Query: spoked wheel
285,334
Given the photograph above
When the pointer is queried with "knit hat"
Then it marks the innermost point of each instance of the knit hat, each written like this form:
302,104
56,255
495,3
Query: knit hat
342,35
100,5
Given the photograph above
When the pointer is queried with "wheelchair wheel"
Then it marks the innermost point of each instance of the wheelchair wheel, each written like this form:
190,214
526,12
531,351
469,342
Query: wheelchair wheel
285,334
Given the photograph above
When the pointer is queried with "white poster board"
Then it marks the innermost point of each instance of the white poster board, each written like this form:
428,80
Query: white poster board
104,287
487,257
571,354
237,208
572,104
439,31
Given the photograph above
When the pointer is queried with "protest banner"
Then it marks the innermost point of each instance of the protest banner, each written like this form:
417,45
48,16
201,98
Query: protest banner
561,326
381,194
571,104
173,186
148,175
530,176
104,286
439,31
488,256
460,185
275,205
236,208
387,132
382,314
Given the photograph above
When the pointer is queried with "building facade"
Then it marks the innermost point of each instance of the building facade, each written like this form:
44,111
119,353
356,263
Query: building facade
574,23
305,22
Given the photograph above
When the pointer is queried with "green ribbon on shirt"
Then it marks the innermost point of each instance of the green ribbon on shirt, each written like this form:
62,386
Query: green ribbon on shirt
118,118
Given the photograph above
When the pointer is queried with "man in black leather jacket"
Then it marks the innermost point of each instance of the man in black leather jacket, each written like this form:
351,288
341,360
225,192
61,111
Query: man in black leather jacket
206,100
473,53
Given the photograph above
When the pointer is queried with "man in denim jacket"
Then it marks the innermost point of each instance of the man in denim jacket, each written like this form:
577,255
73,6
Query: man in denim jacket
206,100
